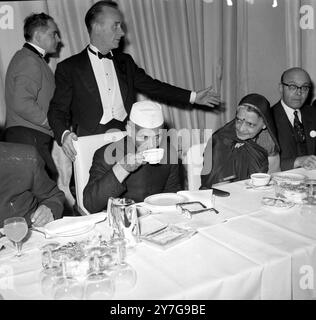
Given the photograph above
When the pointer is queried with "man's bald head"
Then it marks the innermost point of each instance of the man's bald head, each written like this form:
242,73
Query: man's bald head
294,87
289,73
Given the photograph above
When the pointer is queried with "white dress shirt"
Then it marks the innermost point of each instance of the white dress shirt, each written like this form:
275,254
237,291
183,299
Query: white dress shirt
290,113
111,98
39,49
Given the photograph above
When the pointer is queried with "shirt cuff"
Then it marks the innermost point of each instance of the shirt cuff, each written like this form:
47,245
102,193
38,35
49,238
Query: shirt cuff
62,137
192,97
119,172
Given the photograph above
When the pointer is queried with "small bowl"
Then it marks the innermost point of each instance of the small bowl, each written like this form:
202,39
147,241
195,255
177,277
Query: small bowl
260,179
290,186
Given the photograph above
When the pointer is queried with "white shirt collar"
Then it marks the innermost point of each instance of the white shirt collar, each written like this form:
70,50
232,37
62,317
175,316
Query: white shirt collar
39,49
290,112
95,49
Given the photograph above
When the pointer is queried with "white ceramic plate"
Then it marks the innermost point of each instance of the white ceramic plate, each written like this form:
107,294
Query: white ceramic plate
165,200
249,185
62,228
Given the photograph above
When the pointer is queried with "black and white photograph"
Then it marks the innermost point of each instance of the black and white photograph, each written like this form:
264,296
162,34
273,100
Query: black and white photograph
157,150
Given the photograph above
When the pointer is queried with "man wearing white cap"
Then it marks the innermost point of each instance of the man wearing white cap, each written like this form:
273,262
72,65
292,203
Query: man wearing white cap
123,170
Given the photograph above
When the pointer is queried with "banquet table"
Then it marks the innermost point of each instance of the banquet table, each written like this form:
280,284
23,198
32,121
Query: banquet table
246,251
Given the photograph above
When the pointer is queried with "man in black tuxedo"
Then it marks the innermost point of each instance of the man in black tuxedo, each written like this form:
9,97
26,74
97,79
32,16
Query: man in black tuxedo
96,88
295,121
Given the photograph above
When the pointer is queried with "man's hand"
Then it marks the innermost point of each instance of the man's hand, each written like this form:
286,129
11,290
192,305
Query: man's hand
131,162
41,216
68,146
208,97
307,162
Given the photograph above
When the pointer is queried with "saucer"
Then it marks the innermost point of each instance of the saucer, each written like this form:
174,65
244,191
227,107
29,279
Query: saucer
249,185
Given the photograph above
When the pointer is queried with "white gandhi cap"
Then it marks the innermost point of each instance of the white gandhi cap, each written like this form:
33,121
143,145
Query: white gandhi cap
147,114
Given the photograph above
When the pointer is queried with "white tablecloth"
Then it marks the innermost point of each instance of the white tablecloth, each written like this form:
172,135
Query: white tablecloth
245,252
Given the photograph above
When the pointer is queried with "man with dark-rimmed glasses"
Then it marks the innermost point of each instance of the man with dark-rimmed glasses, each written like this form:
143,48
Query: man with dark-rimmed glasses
295,121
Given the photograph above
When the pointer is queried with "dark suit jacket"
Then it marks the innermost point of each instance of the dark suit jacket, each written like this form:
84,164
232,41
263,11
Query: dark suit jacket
145,181
77,101
24,184
285,134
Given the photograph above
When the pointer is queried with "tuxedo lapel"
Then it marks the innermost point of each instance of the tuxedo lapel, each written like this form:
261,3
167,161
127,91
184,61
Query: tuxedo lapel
88,79
285,129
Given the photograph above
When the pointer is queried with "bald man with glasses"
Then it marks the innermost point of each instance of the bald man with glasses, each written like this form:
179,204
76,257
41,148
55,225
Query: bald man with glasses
295,121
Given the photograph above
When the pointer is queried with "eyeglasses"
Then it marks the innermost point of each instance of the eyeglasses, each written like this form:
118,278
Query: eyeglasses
294,87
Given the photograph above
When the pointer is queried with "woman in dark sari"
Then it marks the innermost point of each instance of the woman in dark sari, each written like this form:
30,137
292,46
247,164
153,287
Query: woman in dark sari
243,145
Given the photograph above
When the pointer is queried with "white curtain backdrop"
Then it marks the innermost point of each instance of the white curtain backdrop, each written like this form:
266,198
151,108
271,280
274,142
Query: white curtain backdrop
188,43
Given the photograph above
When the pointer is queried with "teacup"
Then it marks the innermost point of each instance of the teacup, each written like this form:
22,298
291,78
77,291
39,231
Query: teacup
260,179
153,156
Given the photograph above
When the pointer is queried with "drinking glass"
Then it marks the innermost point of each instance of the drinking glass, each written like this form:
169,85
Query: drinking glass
15,230
51,270
309,204
67,287
99,285
123,273
48,278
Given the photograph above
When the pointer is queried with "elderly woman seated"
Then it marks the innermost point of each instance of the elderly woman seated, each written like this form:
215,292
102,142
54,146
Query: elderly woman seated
243,146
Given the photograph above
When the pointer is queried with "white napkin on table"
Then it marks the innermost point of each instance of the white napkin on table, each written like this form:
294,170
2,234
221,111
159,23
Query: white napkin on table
69,224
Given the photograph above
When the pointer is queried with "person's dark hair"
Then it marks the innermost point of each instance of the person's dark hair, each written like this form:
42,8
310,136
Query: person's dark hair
33,22
95,10
282,76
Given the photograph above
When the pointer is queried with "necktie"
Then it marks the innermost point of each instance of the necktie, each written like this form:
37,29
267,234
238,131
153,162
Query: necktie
109,55
299,129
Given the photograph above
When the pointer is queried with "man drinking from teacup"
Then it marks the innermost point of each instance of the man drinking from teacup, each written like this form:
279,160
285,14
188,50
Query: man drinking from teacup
137,166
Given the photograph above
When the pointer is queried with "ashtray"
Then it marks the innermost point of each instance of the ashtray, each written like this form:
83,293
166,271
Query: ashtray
168,236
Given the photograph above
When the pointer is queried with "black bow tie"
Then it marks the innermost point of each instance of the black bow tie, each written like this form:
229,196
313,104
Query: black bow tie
109,55
30,47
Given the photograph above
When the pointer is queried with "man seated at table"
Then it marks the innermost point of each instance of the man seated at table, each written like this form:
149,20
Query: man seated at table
25,188
243,146
296,121
119,170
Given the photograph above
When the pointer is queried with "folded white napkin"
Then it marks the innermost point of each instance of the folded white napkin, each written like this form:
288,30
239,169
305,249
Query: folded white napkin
72,224
204,196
